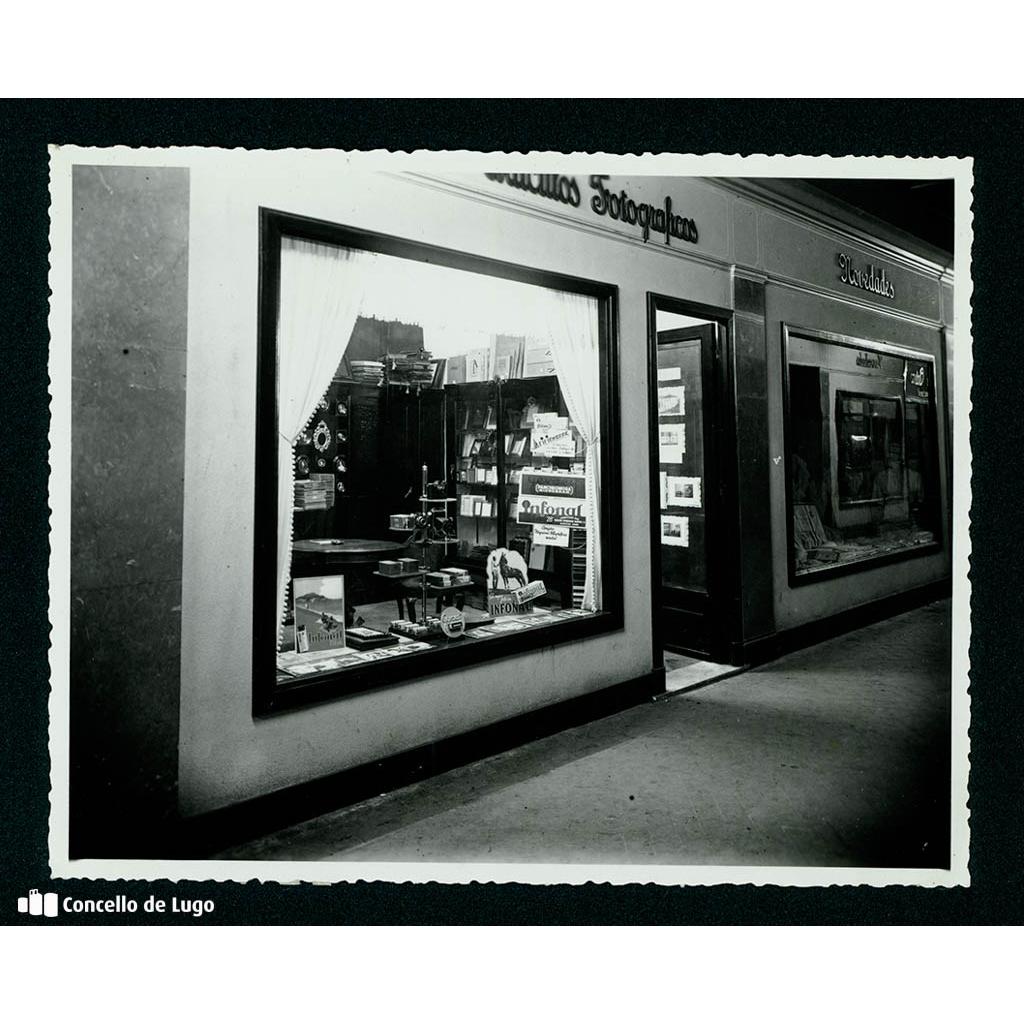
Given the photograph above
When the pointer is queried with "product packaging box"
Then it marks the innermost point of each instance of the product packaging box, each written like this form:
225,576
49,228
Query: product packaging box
364,639
409,564
438,579
389,568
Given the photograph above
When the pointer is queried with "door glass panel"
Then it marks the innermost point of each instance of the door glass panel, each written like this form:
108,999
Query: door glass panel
683,486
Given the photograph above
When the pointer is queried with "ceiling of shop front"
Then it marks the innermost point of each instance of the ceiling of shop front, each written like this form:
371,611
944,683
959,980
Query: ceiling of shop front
924,208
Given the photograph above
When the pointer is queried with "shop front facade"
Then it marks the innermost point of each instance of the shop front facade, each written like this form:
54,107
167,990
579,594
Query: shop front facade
463,447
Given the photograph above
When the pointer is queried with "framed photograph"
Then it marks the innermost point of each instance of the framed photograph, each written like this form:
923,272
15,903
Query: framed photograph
683,491
675,531
671,442
672,401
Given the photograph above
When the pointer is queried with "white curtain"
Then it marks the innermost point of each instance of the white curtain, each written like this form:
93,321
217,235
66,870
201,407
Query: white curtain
322,288
572,325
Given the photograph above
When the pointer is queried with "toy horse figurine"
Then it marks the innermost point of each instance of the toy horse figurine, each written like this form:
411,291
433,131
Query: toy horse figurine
510,572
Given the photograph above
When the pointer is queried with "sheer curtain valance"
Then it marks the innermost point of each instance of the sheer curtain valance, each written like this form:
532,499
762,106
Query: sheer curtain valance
321,295
572,324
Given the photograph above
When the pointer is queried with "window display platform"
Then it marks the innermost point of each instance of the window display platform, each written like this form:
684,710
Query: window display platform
830,554
292,666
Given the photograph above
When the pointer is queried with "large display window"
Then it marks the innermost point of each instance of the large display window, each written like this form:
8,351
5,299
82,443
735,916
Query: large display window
861,453
435,440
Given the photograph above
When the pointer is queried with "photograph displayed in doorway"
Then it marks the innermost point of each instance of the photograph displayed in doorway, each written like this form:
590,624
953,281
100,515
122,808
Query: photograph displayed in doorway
438,452
862,453
681,458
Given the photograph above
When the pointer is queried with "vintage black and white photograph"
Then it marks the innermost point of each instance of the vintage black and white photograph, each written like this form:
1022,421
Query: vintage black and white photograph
304,391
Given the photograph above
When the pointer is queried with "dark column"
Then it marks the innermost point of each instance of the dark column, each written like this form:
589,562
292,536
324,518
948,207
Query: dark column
129,329
752,458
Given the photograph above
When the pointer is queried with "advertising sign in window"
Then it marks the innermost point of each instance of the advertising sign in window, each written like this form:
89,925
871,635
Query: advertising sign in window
554,499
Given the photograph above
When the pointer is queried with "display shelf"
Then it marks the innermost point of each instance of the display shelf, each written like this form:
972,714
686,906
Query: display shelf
430,508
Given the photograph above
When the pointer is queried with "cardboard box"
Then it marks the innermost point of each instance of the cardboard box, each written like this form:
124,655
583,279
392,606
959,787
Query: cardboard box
389,568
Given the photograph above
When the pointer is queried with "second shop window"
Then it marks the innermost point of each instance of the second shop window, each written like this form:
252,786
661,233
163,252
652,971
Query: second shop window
863,452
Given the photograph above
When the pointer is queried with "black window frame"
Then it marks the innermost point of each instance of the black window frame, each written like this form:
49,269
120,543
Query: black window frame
791,331
271,696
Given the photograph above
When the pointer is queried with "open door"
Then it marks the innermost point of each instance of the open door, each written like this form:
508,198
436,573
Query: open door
695,578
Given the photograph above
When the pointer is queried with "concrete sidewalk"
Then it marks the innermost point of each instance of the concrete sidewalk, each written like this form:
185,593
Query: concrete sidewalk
835,756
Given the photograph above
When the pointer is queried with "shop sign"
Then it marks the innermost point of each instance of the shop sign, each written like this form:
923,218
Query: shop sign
871,279
869,360
554,499
919,380
659,220
551,186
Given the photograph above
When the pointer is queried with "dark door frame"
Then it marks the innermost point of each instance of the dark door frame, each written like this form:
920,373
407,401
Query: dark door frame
723,604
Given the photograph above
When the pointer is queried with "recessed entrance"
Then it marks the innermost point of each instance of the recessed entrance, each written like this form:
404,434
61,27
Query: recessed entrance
691,458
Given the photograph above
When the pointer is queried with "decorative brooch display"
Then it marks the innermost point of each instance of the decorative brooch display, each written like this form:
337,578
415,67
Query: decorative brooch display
321,437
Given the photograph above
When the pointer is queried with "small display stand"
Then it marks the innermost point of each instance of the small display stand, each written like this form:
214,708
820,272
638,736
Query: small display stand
433,534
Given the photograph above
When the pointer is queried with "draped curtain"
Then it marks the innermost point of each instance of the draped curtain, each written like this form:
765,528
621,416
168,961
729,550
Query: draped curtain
322,289
572,326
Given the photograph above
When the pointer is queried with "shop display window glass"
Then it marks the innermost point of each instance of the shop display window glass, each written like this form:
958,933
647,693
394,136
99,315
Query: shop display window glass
441,477
862,454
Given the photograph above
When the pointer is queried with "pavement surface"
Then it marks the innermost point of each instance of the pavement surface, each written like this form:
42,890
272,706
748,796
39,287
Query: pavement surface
834,756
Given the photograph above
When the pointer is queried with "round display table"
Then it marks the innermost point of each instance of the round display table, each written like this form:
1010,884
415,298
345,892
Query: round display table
355,558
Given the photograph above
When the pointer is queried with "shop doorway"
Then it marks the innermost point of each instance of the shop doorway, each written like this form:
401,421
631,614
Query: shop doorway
693,465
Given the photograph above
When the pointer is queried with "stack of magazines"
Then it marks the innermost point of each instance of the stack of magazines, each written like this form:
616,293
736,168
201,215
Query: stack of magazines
367,371
314,493
411,369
